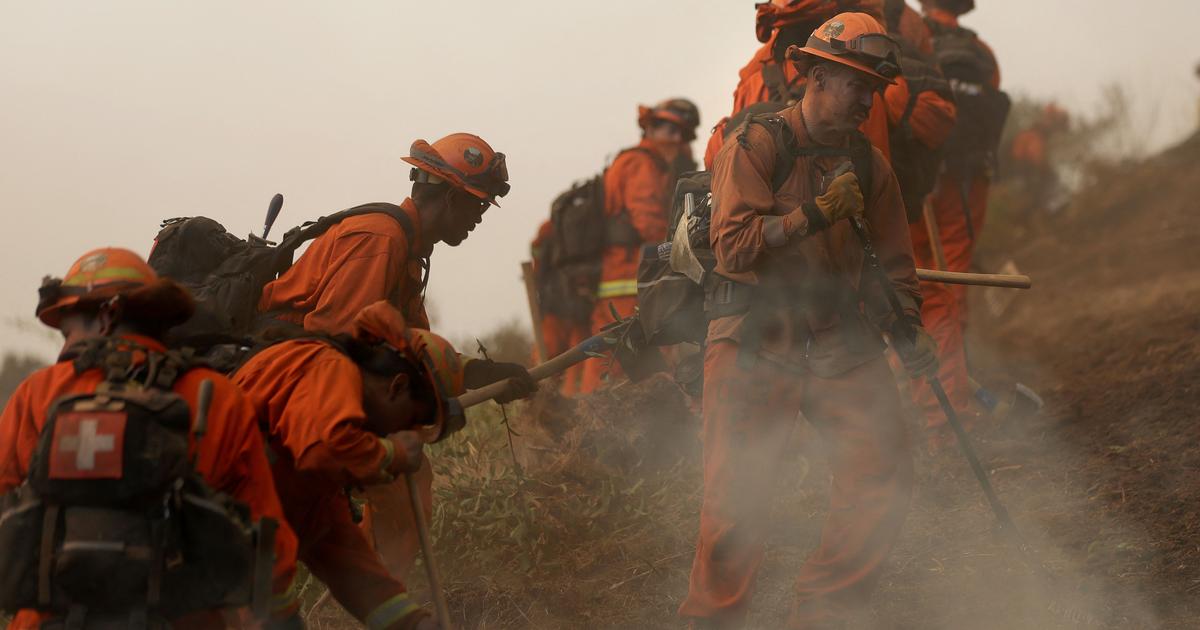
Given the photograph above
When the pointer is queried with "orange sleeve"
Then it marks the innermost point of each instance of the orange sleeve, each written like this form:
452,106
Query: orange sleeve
322,424
742,196
641,188
17,436
363,268
932,119
715,141
25,415
232,458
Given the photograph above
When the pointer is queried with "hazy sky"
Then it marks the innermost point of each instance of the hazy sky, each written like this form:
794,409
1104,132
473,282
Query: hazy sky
116,114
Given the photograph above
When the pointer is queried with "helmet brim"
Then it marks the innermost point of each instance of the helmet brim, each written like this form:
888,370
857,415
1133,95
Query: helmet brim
804,63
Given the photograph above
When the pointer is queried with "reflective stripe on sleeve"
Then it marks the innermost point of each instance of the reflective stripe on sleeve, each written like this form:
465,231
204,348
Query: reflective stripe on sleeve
617,288
391,611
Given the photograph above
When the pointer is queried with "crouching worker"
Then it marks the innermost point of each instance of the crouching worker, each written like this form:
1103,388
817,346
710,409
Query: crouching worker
137,492
353,410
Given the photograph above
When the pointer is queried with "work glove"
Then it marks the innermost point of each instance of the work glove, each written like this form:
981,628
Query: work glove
481,372
403,455
919,355
842,200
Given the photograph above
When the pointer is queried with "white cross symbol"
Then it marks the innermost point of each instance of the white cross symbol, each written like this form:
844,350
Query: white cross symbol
87,444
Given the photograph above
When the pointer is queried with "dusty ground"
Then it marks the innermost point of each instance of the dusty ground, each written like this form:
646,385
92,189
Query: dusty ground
1103,482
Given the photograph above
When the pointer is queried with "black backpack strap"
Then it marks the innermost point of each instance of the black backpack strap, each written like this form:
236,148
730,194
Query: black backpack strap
309,230
784,140
863,157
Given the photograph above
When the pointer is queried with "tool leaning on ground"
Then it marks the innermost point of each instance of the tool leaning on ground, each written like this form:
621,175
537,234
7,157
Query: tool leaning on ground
908,333
586,349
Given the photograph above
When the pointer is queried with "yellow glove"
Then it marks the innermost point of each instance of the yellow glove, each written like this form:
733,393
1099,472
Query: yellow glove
842,200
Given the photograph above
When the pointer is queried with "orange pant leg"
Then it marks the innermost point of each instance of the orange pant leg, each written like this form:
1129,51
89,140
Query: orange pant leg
859,417
343,560
943,311
388,521
572,381
561,335
748,417
595,370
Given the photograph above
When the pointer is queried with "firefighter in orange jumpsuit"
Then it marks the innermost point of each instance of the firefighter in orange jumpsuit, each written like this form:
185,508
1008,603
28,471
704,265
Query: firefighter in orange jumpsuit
353,410
113,292
932,115
769,77
1030,163
959,203
637,200
374,257
796,328
559,332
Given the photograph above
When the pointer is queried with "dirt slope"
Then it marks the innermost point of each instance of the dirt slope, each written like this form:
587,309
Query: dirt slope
1105,483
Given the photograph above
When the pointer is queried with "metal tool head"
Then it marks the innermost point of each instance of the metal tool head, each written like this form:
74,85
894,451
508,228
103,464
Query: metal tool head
637,358
1026,402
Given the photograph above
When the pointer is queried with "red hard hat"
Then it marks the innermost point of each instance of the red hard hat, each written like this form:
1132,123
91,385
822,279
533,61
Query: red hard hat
777,14
465,161
102,274
438,360
856,40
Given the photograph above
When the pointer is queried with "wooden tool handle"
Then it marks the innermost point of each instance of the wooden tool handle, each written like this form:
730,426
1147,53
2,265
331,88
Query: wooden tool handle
1009,281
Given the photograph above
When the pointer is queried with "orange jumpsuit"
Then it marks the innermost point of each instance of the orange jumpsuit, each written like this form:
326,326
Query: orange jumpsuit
231,458
814,357
752,89
636,187
932,118
358,262
944,310
310,396
558,333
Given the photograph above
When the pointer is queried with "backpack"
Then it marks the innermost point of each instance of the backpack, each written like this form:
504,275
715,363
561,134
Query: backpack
982,109
581,231
916,165
675,300
113,521
226,274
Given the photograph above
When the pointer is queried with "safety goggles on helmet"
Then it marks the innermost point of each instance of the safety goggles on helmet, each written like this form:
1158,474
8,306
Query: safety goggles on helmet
493,180
424,177
877,50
